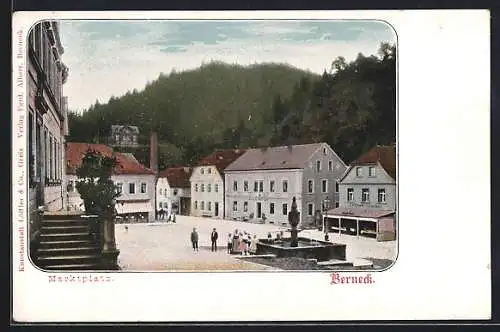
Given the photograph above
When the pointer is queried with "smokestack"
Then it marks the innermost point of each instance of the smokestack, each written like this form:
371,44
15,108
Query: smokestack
153,152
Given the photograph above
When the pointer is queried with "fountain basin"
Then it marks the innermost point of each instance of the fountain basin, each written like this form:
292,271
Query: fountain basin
307,248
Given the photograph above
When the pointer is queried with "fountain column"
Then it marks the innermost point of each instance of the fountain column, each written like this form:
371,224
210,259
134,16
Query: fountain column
293,220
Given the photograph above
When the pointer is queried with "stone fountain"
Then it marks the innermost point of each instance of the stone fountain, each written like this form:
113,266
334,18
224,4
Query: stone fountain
300,247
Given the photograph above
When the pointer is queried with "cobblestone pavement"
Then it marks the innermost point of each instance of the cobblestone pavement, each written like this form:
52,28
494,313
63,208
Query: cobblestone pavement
164,246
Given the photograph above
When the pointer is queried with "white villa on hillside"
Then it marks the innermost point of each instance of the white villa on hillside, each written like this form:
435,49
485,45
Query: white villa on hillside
261,183
173,190
207,183
136,183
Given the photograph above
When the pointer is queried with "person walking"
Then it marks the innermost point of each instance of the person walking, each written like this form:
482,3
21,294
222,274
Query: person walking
214,236
194,239
229,243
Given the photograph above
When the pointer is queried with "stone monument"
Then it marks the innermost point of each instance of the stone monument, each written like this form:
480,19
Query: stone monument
293,220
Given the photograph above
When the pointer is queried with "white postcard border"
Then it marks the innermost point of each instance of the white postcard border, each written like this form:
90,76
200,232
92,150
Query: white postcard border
442,271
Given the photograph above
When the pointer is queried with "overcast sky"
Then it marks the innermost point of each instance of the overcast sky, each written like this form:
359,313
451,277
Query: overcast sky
108,58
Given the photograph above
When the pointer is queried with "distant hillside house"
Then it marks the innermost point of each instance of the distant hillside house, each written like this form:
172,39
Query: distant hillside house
261,184
124,136
207,183
173,190
367,196
135,181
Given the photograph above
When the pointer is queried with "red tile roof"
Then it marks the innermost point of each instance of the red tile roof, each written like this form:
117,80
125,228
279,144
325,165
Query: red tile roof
221,159
126,165
385,155
177,177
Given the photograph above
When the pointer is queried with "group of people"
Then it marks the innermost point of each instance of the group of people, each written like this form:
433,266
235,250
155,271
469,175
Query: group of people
238,242
241,242
162,213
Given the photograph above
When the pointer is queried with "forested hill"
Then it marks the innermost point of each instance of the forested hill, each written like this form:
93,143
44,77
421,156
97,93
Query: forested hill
198,108
216,106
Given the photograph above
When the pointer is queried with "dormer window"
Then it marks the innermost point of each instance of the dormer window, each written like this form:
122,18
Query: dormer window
359,171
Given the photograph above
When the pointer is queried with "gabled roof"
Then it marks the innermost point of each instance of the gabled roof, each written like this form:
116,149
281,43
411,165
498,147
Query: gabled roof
221,159
382,154
126,165
177,177
279,157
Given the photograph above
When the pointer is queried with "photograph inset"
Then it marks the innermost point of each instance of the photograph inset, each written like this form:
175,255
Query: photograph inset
212,145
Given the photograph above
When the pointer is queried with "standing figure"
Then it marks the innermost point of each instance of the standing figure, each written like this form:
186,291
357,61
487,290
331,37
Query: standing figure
236,242
214,236
253,246
242,244
194,239
229,243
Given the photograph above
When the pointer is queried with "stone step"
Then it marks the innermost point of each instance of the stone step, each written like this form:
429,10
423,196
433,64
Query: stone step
68,260
53,252
64,229
64,222
66,236
62,216
67,244
75,267
335,262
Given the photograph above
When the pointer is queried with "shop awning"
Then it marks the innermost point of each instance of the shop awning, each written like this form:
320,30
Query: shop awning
133,207
344,212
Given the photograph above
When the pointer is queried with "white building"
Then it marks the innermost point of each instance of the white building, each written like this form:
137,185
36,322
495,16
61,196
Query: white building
207,183
173,191
367,197
136,182
47,122
260,185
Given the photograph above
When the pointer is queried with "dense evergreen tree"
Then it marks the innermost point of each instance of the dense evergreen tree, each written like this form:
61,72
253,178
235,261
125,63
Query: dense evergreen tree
352,107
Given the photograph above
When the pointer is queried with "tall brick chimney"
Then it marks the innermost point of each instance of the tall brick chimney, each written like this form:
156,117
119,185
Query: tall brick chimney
153,152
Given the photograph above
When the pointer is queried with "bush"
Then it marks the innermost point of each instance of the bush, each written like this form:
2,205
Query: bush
95,186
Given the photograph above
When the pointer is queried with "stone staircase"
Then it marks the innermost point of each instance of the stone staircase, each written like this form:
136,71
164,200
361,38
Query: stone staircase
66,243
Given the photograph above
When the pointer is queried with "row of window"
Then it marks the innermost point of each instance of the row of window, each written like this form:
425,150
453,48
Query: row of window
202,205
131,187
52,148
165,192
371,171
258,186
208,187
319,165
209,170
284,207
365,195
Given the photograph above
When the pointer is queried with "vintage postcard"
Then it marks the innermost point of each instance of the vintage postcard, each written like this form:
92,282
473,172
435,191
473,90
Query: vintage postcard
281,157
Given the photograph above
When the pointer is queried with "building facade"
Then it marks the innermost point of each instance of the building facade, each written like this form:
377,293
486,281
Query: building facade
135,182
124,136
207,184
173,191
261,184
367,195
47,121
